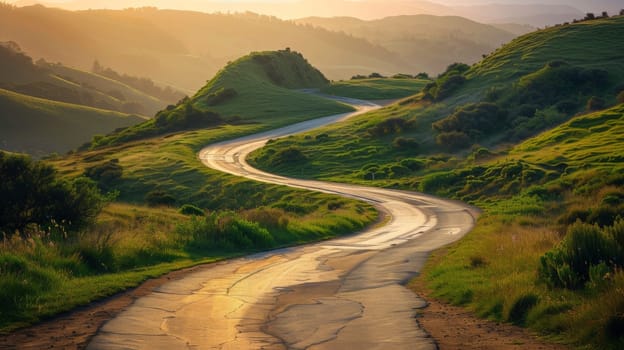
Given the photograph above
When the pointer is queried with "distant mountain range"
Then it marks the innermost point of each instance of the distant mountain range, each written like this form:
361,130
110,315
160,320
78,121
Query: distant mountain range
535,13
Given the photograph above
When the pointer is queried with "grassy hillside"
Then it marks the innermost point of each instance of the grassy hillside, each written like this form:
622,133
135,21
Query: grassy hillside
535,142
428,43
258,88
37,126
376,88
60,83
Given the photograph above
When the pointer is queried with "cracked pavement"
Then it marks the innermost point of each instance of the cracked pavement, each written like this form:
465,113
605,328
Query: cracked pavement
347,293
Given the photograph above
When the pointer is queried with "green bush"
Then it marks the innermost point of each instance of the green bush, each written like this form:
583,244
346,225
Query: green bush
191,210
32,194
221,96
290,155
521,307
405,143
584,249
454,140
106,173
159,197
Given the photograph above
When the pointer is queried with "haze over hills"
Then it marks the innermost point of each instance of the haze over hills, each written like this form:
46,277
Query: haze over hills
536,13
183,49
423,40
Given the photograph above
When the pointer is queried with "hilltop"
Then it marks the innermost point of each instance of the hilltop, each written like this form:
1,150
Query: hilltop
257,88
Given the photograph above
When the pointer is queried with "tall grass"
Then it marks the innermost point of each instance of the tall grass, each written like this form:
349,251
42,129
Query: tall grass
43,274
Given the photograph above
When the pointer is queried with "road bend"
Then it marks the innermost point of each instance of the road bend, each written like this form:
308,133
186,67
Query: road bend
347,293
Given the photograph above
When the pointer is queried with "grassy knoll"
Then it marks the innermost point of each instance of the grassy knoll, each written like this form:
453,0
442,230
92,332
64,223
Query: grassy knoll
521,136
52,126
376,88
255,89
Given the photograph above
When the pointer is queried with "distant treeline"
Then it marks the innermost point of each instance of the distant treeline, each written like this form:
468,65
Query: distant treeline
145,85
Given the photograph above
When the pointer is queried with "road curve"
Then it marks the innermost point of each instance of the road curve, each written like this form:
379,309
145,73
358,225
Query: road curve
347,293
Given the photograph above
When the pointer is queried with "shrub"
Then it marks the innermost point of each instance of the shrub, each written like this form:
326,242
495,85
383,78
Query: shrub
454,140
405,143
191,210
289,155
221,96
585,246
389,126
521,307
106,173
159,197
31,193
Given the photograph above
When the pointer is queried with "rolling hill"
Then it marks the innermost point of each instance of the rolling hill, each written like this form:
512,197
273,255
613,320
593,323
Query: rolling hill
257,88
60,83
181,48
429,43
39,127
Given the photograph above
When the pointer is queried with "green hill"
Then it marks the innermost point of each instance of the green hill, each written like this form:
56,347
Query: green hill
258,88
38,127
533,135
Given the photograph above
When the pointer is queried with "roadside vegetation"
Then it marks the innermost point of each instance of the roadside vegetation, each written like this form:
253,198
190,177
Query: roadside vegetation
157,208
534,141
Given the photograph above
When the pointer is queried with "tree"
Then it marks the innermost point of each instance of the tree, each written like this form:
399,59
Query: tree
589,16
32,194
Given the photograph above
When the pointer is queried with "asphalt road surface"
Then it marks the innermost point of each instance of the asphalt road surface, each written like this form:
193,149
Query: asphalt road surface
347,293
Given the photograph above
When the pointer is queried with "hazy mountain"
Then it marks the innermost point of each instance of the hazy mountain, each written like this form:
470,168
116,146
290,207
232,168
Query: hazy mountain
431,42
538,12
180,48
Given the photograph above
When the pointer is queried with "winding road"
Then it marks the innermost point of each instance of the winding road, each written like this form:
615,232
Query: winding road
347,293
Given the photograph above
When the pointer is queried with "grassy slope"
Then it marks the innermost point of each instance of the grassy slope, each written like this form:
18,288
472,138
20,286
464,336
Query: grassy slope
496,264
103,84
258,98
262,100
527,192
52,126
130,242
375,89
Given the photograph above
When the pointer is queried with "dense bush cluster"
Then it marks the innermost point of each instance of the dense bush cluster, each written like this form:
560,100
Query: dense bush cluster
221,96
539,100
31,194
449,81
587,254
